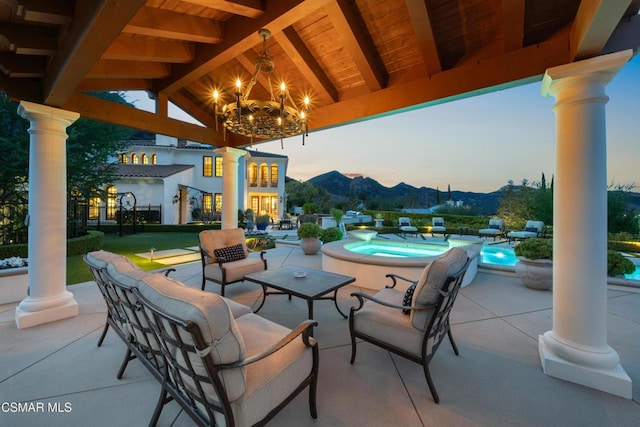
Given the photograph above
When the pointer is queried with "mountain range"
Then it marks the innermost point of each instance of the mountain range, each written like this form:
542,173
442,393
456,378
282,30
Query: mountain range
402,195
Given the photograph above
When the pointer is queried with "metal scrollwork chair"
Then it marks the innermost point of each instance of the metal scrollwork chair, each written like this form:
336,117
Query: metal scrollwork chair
412,323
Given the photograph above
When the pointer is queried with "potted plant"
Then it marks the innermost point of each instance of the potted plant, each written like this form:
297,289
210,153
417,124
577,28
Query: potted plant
262,221
14,274
310,232
379,220
535,265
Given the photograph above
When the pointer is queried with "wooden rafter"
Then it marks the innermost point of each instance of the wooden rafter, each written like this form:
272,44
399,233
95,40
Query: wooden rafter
359,48
106,68
106,84
304,61
595,22
144,49
46,11
513,22
154,22
96,24
248,8
421,23
35,41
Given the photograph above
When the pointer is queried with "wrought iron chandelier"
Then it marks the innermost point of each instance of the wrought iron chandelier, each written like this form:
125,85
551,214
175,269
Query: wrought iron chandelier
276,118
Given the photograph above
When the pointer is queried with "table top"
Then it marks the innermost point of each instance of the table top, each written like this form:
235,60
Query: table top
315,284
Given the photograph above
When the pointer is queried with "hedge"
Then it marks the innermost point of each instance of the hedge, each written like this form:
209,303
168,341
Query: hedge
76,246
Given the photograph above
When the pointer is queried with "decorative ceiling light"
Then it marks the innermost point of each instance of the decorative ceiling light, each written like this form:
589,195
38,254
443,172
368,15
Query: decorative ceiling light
276,118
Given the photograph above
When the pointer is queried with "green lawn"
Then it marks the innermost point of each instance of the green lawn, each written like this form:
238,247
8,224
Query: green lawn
128,246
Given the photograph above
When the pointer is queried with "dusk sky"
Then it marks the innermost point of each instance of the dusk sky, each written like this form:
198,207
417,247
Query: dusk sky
475,144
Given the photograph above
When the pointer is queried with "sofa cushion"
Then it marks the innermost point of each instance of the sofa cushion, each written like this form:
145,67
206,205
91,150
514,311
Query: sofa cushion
235,271
531,229
230,253
125,272
428,288
101,258
210,240
212,315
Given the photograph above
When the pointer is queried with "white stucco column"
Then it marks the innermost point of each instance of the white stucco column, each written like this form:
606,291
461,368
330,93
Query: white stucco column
576,348
48,298
229,185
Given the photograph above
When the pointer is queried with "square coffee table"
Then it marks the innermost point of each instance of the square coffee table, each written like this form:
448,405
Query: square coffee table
312,287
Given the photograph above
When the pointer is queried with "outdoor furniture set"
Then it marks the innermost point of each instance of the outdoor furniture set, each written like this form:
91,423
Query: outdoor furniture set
224,364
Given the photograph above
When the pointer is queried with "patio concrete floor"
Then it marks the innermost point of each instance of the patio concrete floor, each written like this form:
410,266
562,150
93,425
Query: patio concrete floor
496,380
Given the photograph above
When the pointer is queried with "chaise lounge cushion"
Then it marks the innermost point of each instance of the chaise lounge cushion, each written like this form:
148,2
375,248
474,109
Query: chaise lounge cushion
212,315
431,282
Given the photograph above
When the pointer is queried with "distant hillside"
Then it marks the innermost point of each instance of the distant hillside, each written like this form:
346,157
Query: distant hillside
376,195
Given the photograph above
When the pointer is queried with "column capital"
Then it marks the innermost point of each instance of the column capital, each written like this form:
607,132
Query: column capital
31,111
602,68
234,152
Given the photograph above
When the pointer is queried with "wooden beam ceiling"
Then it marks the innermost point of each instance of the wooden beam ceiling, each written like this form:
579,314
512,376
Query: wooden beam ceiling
129,48
247,8
513,22
421,23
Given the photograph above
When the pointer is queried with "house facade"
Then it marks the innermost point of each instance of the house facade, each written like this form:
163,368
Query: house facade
177,182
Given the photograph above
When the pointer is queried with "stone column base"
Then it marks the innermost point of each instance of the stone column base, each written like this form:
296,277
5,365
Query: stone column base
612,380
27,319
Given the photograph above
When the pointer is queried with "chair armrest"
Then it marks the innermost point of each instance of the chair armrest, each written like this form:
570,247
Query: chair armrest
362,296
394,277
166,271
303,328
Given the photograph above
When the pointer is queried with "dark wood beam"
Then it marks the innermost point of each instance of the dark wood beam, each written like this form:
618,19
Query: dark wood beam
513,24
95,25
357,44
59,12
22,66
153,22
30,40
110,112
248,8
595,22
421,23
240,36
304,61
21,89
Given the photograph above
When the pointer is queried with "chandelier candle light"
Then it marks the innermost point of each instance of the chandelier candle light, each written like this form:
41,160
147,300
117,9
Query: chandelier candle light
276,118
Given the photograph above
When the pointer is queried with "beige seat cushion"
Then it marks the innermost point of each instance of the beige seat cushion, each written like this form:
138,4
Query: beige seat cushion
272,379
216,239
101,258
389,324
432,280
236,270
213,316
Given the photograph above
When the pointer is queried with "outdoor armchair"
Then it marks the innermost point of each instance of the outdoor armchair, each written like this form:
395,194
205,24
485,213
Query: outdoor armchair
531,229
404,223
225,257
414,322
437,226
495,229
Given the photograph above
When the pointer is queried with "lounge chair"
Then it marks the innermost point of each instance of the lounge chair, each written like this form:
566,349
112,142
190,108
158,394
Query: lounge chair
412,323
531,229
405,226
495,229
225,257
437,226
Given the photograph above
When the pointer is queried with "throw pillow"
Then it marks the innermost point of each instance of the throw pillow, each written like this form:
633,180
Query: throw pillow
408,298
531,229
229,253
494,226
438,224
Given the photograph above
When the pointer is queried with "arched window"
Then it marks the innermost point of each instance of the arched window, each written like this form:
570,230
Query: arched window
94,208
154,159
145,159
274,175
134,159
123,158
253,175
112,201
264,175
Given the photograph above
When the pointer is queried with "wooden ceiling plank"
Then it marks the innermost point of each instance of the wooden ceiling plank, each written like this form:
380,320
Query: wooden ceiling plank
110,112
240,36
421,23
105,68
513,23
595,22
150,21
95,25
361,52
248,8
21,89
59,12
524,65
143,49
304,61
30,40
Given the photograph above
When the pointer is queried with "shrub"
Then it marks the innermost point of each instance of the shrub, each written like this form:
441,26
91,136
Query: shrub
263,219
309,229
618,265
535,248
331,234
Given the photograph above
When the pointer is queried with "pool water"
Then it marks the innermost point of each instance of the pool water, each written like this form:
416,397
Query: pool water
493,255
398,251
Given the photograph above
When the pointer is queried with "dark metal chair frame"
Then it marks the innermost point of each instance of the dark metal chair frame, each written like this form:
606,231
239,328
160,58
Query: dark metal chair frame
221,263
436,330
177,336
117,300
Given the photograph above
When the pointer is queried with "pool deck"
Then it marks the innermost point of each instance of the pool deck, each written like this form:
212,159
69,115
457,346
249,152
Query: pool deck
496,380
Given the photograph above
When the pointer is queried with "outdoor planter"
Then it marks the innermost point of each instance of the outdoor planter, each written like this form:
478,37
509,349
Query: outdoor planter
13,284
535,273
310,245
